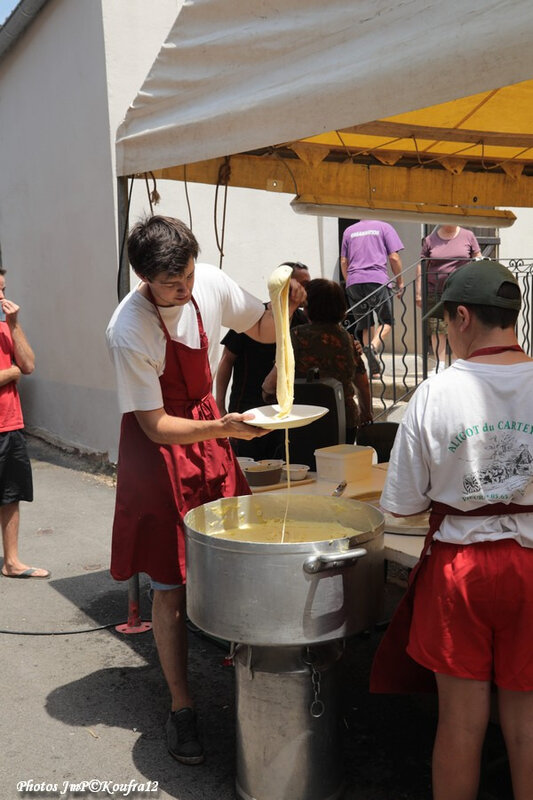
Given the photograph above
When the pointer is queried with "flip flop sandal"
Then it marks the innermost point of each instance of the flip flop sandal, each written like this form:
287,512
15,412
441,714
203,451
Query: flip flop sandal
28,573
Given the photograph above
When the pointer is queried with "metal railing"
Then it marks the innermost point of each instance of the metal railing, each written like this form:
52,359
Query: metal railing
407,355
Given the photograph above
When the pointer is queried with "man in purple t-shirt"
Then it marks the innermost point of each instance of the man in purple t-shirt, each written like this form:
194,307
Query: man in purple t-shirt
366,247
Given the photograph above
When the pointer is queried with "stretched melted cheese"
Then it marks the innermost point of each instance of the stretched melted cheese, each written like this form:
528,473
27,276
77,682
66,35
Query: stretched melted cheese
278,290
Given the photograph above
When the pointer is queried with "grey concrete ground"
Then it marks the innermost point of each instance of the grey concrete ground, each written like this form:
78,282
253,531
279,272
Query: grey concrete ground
81,706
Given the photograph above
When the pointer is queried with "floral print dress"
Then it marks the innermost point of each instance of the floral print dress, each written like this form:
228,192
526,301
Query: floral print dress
331,348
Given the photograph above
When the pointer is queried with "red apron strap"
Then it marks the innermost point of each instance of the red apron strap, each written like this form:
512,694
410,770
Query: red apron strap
441,510
494,351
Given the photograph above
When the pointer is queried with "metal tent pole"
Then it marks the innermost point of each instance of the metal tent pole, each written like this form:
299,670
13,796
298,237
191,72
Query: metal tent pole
134,623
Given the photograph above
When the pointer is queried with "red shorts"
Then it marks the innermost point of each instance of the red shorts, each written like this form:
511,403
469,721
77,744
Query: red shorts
473,613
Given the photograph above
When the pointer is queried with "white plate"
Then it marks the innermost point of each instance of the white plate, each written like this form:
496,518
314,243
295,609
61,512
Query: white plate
416,525
265,416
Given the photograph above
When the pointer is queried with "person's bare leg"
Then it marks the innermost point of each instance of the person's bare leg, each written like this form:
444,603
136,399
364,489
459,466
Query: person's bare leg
464,708
10,521
170,634
438,342
381,332
367,335
516,720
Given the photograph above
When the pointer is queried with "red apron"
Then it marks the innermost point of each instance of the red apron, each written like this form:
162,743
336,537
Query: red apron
158,483
393,669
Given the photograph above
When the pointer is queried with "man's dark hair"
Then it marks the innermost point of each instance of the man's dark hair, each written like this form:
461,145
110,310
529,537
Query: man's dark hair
2,271
294,265
491,316
325,301
161,244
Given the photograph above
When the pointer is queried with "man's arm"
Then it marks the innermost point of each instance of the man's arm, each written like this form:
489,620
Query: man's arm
9,375
224,370
268,388
344,267
418,285
403,516
162,428
396,266
264,330
23,354
364,400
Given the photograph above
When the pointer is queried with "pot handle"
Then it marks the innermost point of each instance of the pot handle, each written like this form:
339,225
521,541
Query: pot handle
325,561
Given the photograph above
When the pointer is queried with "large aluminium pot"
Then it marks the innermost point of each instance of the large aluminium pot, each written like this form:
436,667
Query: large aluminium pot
284,594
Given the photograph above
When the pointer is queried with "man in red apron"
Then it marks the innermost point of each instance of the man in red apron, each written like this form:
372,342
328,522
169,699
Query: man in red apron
465,448
174,451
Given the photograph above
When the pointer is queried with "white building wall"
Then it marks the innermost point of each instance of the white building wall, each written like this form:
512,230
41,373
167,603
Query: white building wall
64,88
57,217
62,97
517,241
57,201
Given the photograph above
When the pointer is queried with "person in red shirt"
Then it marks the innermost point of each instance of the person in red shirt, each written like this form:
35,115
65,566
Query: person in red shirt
16,359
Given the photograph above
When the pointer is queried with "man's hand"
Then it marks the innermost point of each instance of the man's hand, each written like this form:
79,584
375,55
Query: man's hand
24,356
238,429
358,346
10,375
11,311
297,295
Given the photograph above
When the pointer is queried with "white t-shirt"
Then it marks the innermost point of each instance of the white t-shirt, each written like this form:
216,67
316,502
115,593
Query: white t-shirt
467,440
137,343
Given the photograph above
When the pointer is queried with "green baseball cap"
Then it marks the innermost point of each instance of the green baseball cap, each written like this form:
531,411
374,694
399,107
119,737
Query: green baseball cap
477,284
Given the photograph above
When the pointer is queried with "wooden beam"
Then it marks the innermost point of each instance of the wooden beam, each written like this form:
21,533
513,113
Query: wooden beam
476,153
364,184
400,130
407,212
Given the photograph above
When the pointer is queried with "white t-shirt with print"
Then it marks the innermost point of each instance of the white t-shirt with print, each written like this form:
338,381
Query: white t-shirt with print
467,440
137,343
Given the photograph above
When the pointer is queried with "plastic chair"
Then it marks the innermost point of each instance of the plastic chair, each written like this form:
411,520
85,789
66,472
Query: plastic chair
329,429
380,436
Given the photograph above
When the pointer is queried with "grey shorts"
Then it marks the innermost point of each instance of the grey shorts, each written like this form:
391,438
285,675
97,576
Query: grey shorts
379,304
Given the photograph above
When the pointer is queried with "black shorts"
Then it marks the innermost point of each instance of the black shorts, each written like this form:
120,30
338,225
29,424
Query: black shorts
15,468
379,304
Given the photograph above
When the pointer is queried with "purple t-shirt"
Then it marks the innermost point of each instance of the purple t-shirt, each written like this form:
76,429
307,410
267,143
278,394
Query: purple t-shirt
452,252
367,245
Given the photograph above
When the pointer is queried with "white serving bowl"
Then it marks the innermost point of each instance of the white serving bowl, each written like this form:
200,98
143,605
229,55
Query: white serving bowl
298,472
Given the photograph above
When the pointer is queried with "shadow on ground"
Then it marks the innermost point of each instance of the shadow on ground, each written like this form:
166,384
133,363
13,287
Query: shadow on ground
387,740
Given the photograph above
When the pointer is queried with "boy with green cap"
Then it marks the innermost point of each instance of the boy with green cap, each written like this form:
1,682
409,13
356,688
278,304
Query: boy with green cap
465,450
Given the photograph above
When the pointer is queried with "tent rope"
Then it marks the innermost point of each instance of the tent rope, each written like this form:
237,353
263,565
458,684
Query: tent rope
224,175
275,153
187,198
153,196
123,243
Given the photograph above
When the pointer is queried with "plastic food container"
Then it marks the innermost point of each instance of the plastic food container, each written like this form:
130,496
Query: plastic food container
245,461
343,462
298,472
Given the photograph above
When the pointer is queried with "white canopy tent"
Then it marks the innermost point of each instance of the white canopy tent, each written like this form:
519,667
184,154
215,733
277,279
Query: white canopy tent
250,81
